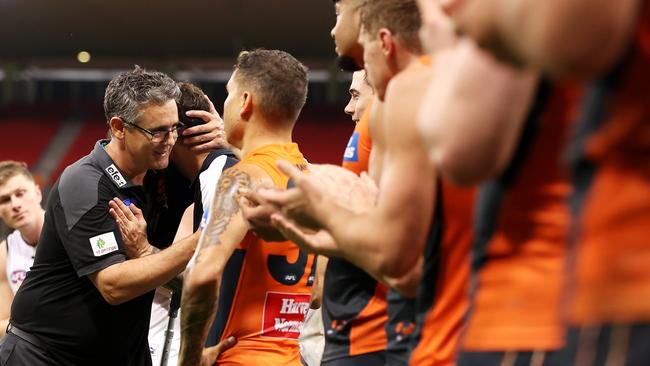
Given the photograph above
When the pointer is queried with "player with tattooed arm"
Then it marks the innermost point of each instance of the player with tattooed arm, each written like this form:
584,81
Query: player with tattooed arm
254,290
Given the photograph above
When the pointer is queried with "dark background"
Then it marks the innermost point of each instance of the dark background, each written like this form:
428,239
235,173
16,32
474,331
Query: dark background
50,103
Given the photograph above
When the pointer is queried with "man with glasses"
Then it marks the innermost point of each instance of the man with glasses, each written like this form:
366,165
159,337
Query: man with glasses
83,302
203,171
158,135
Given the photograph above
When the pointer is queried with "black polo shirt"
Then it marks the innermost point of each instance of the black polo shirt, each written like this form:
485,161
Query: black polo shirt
57,302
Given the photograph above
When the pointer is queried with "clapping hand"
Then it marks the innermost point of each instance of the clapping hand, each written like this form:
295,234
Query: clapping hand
132,226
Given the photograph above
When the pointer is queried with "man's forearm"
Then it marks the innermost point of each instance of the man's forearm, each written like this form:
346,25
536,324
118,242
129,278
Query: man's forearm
376,241
199,303
225,228
132,278
199,306
356,244
374,259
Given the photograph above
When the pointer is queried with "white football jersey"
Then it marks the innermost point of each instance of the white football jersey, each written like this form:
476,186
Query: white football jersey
20,258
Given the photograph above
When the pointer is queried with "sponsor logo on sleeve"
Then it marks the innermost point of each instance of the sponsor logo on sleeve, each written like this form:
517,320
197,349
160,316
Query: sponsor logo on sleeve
116,175
284,314
351,151
103,244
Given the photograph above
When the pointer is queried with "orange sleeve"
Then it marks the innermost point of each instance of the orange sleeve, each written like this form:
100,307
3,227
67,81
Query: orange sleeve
357,152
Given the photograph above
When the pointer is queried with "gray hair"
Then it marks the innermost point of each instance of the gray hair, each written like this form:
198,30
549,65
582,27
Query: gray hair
128,92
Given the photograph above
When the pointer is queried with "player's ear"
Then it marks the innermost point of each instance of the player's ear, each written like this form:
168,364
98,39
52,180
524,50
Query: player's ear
387,41
116,125
247,103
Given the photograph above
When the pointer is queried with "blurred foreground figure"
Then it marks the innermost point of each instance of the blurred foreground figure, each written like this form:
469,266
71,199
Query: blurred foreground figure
610,155
414,233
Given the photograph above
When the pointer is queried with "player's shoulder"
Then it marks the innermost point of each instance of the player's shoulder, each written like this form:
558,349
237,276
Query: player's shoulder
246,170
406,90
413,79
80,180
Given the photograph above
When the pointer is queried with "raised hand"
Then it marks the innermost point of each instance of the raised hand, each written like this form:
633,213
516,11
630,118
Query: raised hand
133,227
257,212
300,203
358,194
208,136
319,242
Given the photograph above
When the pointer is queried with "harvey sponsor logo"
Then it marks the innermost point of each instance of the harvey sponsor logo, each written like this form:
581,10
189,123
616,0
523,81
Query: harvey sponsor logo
284,314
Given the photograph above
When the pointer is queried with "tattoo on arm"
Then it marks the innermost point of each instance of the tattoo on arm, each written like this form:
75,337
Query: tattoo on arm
224,205
195,315
199,304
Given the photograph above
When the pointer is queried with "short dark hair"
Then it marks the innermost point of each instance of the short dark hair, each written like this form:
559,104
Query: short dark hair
11,168
401,17
129,91
278,77
192,98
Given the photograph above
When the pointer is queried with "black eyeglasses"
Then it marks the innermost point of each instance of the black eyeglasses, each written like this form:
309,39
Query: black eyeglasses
160,135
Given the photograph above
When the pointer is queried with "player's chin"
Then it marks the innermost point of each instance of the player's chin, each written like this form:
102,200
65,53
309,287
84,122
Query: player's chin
160,162
17,224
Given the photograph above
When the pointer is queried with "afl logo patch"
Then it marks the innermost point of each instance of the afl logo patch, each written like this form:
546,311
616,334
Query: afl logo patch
116,175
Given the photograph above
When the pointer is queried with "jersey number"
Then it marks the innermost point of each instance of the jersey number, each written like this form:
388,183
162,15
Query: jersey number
290,273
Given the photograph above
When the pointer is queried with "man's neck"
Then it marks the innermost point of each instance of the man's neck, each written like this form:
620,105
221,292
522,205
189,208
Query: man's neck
32,233
126,165
402,61
265,133
405,59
